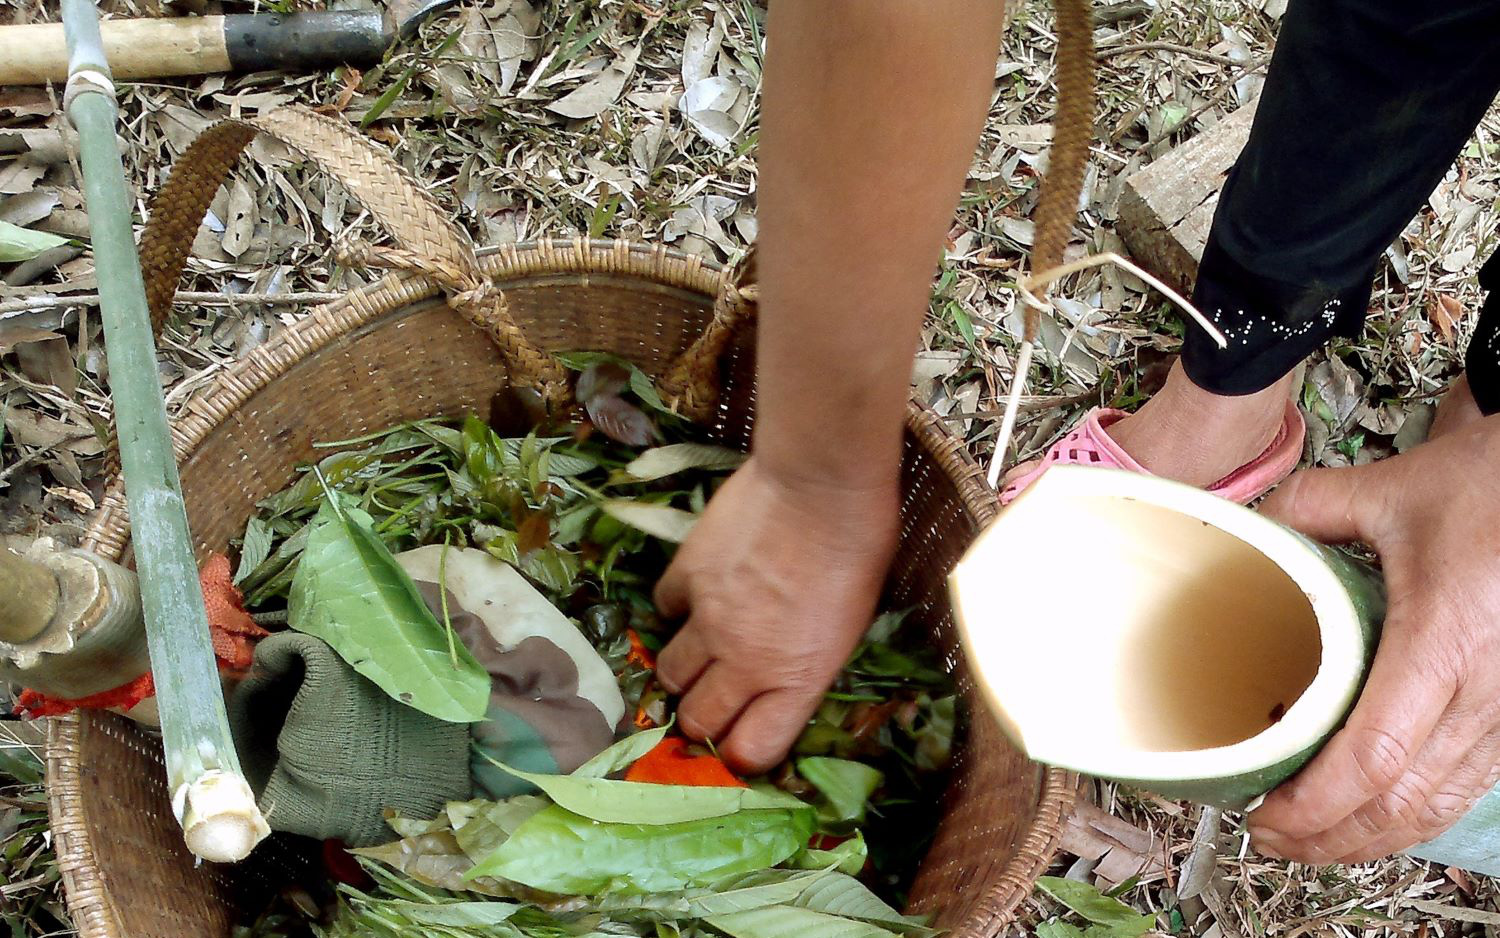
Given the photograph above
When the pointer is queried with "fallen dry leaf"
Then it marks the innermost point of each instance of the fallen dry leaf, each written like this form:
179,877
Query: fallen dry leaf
591,98
1445,311
1121,849
12,336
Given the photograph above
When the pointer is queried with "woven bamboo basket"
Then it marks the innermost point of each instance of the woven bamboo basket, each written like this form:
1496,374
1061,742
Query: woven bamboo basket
395,351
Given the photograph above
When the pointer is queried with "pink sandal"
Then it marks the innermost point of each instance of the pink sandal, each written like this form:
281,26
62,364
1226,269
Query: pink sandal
1090,445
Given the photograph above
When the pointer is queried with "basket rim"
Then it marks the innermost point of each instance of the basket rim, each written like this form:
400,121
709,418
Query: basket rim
108,533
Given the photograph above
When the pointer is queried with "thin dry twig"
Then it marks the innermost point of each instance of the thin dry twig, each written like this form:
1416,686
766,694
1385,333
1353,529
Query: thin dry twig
40,304
1173,47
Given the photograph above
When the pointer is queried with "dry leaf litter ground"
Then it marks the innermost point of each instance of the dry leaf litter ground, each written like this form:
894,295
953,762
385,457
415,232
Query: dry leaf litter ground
637,119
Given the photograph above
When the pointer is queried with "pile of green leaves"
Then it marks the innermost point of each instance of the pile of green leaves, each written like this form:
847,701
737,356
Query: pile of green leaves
31,901
647,859
592,519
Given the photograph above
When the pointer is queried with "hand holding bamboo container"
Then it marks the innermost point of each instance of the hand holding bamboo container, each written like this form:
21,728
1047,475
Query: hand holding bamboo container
1213,651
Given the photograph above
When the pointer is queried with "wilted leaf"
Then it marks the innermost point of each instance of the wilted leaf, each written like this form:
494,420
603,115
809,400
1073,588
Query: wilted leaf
669,460
14,334
1445,311
493,823
700,50
621,420
239,227
602,379
17,176
22,244
28,208
663,521
600,92
435,860
706,105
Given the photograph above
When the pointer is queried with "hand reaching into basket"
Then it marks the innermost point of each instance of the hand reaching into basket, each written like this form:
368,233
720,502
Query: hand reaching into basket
776,585
871,113
780,577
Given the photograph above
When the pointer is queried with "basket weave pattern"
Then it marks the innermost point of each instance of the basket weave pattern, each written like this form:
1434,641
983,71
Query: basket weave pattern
394,351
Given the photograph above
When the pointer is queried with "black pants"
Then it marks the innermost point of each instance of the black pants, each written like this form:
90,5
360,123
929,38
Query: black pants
1366,105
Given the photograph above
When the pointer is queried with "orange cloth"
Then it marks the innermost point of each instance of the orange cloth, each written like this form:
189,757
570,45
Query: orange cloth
670,763
233,632
639,653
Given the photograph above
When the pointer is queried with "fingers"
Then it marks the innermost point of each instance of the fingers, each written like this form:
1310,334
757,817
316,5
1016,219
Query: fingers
1469,781
1330,505
671,593
1424,801
683,661
712,703
765,732
1405,697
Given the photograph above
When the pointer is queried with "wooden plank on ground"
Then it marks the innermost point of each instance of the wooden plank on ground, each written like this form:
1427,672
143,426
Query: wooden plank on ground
1167,207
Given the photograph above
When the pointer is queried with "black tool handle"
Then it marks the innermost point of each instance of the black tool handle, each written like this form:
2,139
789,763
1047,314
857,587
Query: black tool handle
317,39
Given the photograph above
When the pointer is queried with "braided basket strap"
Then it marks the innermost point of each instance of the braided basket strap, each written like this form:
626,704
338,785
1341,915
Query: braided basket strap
691,384
1072,130
427,238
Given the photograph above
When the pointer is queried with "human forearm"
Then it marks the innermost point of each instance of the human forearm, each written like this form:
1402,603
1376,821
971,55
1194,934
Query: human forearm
871,113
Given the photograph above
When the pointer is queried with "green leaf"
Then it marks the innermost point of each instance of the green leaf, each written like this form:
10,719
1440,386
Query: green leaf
645,389
563,852
886,625
662,461
609,801
451,914
350,592
387,98
960,317
255,548
22,244
935,740
553,569
1057,928
657,520
621,754
771,887
1120,919
732,894
780,921
845,785
838,894
848,857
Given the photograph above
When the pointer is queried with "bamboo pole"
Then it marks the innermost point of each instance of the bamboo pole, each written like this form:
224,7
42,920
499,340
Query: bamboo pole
31,595
210,796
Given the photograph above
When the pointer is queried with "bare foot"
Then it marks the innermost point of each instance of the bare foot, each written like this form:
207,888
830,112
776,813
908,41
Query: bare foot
1194,436
1455,411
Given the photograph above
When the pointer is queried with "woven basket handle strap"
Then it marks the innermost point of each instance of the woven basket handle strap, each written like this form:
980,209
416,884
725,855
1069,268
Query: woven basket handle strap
428,240
691,384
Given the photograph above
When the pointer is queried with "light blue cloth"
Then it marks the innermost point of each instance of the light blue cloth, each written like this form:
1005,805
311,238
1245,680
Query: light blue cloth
1472,844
